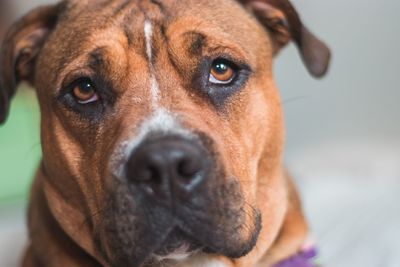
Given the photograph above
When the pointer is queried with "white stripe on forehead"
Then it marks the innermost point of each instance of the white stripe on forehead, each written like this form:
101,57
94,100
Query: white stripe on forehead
148,34
154,88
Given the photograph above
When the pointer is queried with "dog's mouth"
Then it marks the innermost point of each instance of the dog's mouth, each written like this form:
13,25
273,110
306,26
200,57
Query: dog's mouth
143,231
173,239
146,234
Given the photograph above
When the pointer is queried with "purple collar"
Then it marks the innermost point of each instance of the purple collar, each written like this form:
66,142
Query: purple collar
305,258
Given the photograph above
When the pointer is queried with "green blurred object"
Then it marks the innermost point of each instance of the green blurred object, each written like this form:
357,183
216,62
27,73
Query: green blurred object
20,149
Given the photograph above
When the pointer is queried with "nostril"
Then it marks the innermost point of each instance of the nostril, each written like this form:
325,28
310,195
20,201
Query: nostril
149,174
146,166
188,168
155,174
143,175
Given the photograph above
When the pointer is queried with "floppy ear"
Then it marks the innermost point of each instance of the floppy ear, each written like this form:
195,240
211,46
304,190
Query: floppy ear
284,24
5,15
20,49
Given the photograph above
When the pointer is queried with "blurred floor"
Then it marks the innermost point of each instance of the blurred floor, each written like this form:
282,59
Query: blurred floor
351,193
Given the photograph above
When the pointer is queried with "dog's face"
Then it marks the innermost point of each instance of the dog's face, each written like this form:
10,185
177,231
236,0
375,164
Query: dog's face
161,123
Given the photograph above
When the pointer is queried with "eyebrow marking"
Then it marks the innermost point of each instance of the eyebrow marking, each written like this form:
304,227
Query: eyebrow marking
197,41
120,8
96,58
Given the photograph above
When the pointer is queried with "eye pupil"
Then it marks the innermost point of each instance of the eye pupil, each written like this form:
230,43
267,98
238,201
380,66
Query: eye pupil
86,87
221,68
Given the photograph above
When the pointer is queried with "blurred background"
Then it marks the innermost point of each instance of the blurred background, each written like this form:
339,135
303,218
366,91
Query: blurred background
343,136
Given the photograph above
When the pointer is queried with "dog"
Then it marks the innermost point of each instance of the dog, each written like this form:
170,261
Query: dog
162,131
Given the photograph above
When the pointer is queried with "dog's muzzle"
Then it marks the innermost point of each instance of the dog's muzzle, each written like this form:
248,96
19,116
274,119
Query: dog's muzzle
176,194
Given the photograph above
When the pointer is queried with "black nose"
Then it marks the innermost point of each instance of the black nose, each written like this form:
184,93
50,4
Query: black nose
168,165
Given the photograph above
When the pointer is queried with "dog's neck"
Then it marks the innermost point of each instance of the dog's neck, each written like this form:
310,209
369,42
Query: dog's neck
50,244
293,233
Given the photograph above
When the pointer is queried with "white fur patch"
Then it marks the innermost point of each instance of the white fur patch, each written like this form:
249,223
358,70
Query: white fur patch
162,121
154,91
202,262
214,263
182,258
179,254
154,88
148,34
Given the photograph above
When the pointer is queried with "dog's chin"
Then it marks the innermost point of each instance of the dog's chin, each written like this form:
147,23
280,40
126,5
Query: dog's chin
235,242
179,246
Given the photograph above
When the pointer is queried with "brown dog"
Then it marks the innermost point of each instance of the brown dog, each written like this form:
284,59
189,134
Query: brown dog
161,131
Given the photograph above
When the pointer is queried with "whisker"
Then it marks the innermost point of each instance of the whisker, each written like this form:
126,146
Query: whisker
294,99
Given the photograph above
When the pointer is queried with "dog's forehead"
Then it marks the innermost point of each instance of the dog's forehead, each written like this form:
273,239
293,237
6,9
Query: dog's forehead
228,15
165,5
119,25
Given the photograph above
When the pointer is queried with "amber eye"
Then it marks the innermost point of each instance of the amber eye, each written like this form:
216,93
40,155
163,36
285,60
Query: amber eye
84,92
222,72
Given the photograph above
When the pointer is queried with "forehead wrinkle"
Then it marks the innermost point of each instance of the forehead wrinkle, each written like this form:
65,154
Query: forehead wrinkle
159,4
107,57
126,25
198,40
132,26
108,12
101,62
123,7
224,43
77,7
98,4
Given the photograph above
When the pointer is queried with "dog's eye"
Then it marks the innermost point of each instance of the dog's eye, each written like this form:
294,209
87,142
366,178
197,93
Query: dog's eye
84,92
222,72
